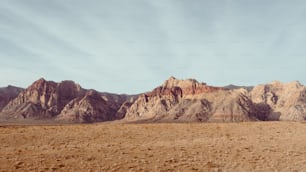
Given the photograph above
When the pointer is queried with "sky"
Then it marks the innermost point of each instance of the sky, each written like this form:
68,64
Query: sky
132,46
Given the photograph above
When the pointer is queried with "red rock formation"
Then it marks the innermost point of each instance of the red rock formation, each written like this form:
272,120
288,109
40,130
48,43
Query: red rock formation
175,100
287,100
181,88
187,100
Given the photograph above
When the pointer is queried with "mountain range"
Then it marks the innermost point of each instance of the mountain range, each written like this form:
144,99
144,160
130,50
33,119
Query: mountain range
173,101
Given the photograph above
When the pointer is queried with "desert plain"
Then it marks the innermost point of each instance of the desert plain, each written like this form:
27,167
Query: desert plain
244,146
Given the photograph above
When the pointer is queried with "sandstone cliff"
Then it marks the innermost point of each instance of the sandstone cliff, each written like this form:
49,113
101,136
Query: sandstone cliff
174,101
288,100
188,100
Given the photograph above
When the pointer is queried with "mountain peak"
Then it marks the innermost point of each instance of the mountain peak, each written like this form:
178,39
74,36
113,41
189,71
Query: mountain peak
41,80
171,78
174,82
40,84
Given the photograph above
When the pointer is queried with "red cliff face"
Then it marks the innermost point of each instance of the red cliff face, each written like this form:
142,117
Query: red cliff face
170,94
181,88
186,100
175,100
189,100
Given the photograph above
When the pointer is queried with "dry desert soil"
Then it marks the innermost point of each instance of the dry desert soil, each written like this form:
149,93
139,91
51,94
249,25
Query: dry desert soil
250,146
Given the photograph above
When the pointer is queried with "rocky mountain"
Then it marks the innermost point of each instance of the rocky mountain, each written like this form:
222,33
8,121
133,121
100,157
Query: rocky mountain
43,99
174,101
94,107
188,100
65,101
7,94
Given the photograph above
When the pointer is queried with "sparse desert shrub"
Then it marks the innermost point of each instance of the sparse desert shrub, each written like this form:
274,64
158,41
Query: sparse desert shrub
261,111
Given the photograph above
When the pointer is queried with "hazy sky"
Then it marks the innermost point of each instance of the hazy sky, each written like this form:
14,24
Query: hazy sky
131,46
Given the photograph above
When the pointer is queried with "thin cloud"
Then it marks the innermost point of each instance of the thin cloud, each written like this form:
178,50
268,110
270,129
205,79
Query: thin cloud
100,43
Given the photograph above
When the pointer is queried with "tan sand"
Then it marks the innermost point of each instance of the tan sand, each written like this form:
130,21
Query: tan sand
257,146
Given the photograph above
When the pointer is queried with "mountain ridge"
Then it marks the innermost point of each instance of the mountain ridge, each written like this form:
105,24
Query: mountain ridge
49,100
168,102
174,100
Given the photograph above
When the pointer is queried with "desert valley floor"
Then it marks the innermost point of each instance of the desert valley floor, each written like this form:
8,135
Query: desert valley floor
251,146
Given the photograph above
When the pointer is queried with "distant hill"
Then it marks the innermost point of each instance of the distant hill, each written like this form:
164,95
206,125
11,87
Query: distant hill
232,87
7,94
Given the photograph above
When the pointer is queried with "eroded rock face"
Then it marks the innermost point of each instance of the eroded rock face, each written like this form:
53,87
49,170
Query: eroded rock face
174,101
90,108
65,101
94,107
189,100
7,94
187,87
287,100
120,114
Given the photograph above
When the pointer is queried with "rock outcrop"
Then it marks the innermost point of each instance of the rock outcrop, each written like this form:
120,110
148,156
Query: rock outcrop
43,99
7,94
125,106
189,100
94,107
174,101
65,101
287,100
90,108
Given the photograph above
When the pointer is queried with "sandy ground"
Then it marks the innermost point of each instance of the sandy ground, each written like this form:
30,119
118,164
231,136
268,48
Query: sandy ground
257,146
